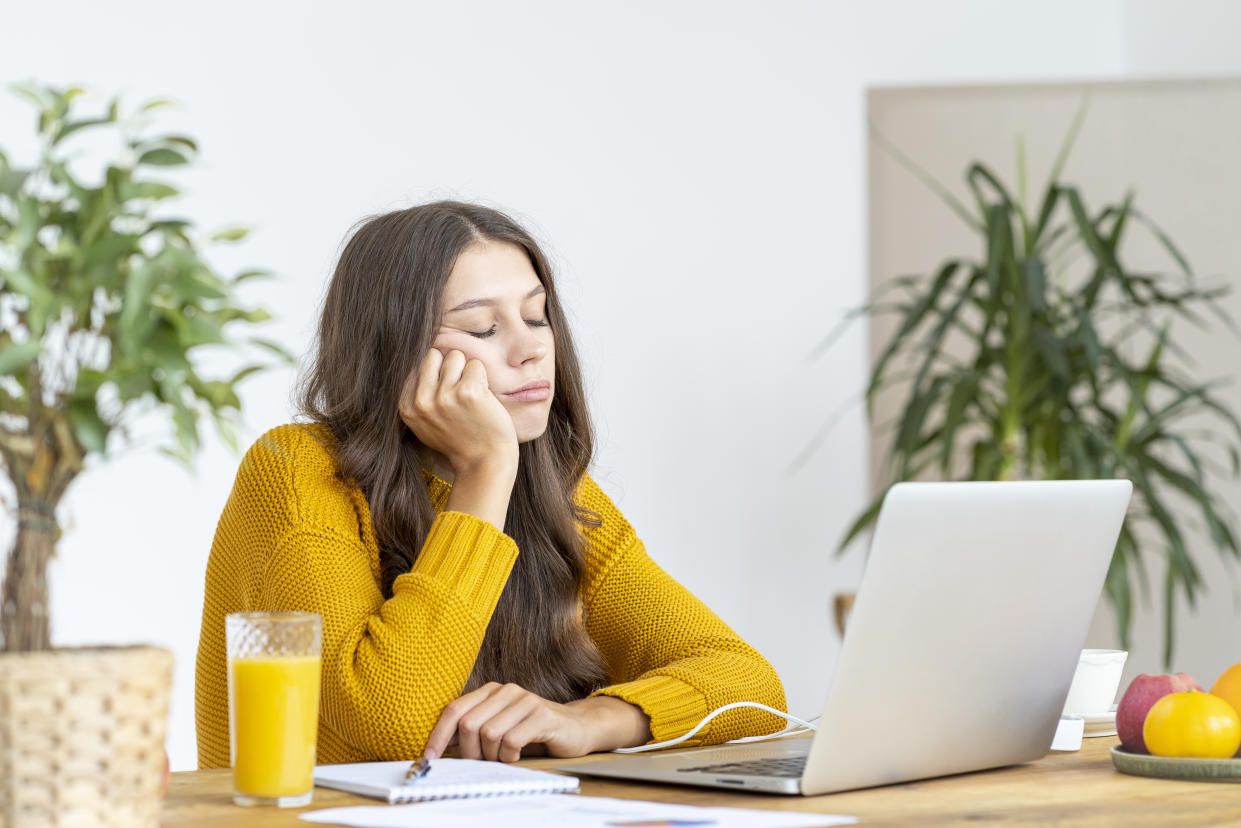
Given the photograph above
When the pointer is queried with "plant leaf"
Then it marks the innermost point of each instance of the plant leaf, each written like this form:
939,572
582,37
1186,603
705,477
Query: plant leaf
16,357
863,521
88,426
231,234
162,157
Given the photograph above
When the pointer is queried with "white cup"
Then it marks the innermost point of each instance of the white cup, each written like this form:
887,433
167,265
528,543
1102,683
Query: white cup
1095,682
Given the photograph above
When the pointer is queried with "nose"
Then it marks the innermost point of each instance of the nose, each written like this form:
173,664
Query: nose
526,347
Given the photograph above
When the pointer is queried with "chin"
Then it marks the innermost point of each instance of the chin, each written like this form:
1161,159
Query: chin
530,435
530,421
529,428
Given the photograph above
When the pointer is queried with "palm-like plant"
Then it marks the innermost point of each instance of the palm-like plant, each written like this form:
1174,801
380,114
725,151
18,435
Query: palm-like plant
1022,358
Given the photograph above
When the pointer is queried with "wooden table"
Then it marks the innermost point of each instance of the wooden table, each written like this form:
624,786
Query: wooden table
1080,788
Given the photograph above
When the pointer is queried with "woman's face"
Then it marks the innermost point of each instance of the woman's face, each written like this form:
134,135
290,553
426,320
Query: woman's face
495,312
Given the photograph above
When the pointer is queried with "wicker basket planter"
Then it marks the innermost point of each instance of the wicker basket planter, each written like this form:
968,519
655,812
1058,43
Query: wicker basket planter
82,736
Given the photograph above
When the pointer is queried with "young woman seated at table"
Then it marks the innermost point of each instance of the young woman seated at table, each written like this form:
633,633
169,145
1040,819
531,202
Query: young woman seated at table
477,587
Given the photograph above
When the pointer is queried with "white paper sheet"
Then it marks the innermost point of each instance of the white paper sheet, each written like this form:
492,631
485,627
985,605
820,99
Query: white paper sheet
562,811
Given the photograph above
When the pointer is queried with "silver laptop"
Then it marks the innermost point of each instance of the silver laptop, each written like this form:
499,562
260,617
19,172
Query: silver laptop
961,646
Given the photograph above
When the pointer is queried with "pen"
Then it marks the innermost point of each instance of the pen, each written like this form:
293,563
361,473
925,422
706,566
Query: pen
417,770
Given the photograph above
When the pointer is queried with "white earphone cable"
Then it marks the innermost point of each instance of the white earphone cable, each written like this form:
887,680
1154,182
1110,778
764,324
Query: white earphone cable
801,727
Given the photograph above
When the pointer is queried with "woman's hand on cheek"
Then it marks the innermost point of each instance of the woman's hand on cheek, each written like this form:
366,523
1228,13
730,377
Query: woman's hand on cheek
450,408
497,721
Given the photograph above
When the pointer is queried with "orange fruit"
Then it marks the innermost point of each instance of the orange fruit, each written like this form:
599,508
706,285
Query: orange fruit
1228,687
1192,724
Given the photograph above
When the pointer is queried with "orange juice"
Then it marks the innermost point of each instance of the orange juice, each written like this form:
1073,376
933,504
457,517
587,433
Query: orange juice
275,708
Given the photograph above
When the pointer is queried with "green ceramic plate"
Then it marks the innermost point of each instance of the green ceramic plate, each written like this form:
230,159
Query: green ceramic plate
1176,767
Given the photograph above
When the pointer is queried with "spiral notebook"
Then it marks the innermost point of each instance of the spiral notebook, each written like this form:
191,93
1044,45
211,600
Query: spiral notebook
447,779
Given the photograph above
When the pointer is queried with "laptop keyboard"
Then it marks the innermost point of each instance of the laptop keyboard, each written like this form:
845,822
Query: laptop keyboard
789,766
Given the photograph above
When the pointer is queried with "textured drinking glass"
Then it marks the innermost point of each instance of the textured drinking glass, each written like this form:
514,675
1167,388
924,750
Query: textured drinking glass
273,705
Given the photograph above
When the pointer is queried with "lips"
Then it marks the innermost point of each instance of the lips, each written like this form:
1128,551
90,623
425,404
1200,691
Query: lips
530,392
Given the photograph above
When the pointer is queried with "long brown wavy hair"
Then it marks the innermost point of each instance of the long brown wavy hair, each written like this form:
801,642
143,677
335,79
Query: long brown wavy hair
380,316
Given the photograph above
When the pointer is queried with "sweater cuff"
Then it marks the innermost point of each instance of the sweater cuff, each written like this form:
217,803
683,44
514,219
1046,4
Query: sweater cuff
673,706
470,556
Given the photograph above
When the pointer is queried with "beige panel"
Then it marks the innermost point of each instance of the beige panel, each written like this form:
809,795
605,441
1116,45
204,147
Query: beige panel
1177,145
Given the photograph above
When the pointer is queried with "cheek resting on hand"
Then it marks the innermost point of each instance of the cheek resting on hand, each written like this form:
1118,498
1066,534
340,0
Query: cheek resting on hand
466,344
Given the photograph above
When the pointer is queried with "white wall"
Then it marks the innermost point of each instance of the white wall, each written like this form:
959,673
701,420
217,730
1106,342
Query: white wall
1186,38
696,169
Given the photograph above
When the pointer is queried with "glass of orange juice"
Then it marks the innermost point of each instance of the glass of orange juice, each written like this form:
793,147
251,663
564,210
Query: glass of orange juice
273,705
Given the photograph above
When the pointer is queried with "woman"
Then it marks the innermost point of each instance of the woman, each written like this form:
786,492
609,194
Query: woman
477,588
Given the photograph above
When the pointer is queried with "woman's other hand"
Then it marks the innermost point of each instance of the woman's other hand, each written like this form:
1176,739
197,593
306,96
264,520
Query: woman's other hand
497,721
451,409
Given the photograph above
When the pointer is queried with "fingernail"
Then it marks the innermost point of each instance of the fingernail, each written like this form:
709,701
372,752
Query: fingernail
430,754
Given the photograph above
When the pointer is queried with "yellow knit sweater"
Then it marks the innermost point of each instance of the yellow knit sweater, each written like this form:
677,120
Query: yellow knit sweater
293,537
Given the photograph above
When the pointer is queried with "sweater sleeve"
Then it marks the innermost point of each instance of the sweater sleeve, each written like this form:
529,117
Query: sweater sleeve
666,651
390,666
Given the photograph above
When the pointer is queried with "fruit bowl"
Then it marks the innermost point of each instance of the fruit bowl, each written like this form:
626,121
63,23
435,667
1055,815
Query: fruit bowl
1176,767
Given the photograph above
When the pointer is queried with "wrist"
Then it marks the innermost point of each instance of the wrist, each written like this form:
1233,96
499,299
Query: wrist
484,490
496,465
613,723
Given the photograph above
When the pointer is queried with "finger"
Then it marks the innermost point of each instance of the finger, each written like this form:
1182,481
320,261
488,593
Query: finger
445,731
470,725
450,369
536,728
428,377
475,373
451,750
438,740
493,734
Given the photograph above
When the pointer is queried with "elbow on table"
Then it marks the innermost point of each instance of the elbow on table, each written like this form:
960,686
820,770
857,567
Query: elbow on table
767,689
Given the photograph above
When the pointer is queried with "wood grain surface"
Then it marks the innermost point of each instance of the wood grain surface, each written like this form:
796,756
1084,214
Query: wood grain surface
1079,788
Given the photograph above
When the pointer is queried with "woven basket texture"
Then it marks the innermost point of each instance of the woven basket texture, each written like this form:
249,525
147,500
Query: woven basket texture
82,736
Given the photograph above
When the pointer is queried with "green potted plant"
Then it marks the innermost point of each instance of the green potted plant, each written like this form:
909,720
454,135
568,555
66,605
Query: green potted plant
102,304
1019,365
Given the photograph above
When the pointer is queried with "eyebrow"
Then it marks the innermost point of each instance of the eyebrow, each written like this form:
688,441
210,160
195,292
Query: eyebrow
475,303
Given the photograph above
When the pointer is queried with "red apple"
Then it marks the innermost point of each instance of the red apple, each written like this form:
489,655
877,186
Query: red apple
1139,696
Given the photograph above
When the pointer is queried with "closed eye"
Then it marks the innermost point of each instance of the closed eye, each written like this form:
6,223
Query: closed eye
534,323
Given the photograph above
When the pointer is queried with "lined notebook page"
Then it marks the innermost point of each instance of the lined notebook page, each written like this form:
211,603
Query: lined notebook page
447,779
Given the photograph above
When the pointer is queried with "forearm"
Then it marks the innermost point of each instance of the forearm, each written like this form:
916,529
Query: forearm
668,653
614,723
390,666
484,490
